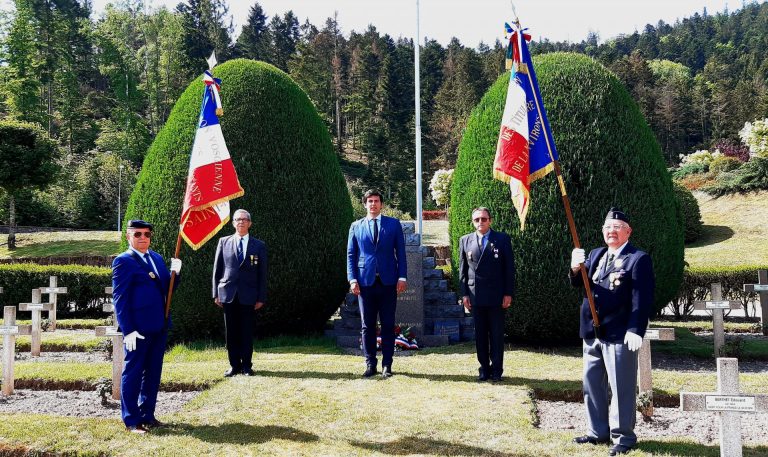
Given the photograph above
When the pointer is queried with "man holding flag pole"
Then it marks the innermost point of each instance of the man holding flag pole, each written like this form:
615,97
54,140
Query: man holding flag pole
526,152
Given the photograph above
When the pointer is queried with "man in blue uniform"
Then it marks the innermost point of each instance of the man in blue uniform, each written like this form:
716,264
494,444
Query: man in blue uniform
622,283
240,287
487,283
140,283
376,270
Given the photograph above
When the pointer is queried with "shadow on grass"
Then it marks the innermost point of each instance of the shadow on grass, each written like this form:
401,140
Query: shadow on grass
427,446
239,433
712,234
68,248
694,449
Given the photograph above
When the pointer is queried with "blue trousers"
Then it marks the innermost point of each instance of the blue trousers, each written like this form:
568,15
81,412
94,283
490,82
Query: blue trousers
489,338
141,379
378,300
614,366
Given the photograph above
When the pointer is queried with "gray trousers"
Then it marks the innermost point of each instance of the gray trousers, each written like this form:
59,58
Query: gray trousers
610,414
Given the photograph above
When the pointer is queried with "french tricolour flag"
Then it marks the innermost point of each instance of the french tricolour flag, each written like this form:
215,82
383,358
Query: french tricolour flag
212,179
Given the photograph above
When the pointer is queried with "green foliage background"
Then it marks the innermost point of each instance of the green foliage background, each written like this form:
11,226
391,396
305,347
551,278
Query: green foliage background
691,213
294,191
609,157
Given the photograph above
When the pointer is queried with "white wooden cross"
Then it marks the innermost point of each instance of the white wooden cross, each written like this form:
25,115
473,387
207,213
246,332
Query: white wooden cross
717,305
53,291
729,403
762,289
117,346
9,330
37,308
645,385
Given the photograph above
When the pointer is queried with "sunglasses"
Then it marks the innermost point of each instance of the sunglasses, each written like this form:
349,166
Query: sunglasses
144,234
480,219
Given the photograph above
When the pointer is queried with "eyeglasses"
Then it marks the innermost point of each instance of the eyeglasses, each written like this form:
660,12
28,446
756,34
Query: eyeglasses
144,234
242,219
480,219
614,227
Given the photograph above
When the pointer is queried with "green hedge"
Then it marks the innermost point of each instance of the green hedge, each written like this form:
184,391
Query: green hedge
85,285
691,213
609,157
750,177
294,190
697,284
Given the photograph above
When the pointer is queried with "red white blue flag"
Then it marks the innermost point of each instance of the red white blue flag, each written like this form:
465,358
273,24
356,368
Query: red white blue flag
212,179
526,148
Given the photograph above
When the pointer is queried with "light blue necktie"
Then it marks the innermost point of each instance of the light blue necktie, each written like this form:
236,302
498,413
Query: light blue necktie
146,259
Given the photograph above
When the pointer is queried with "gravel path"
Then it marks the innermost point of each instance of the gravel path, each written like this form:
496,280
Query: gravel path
79,403
701,427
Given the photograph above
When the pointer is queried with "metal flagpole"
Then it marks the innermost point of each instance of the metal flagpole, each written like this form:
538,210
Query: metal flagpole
417,97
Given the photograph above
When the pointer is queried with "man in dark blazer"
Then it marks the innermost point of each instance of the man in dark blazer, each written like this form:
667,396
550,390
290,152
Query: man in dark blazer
622,283
240,287
376,270
140,282
487,283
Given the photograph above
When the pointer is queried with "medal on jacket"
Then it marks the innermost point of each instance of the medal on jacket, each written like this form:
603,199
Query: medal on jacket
469,255
495,251
254,260
152,275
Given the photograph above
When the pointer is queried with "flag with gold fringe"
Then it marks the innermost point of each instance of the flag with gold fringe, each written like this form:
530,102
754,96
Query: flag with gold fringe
526,148
212,180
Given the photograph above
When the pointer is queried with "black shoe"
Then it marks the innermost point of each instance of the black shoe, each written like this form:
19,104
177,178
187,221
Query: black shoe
369,371
586,439
154,423
496,378
617,449
138,429
248,372
386,372
231,372
482,374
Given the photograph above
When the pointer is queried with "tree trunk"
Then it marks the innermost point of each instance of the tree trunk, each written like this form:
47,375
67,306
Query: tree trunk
12,223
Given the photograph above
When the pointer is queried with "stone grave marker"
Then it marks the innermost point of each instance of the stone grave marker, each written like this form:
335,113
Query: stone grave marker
762,290
645,384
53,292
717,305
9,330
117,345
410,304
729,403
37,307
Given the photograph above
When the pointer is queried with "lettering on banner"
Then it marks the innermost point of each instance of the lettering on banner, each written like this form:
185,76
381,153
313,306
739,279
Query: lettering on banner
730,403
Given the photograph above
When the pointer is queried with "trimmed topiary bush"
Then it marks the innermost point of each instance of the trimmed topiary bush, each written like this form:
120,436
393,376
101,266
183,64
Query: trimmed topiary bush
609,157
294,191
691,213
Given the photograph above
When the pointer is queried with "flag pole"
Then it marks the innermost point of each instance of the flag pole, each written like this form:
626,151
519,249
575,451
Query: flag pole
566,201
173,278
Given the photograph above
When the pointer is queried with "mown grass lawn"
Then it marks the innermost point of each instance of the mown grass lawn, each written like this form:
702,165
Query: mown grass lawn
62,244
311,400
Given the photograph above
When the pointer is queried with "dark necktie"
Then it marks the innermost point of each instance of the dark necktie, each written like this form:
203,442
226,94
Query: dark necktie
240,255
375,232
609,262
146,259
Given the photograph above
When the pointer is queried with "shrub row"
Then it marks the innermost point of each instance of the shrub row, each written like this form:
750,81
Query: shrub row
697,283
85,285
434,215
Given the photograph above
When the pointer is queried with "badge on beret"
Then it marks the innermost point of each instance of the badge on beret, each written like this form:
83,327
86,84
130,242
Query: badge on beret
152,275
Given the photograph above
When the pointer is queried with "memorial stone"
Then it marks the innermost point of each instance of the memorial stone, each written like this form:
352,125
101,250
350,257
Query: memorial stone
717,305
645,384
53,292
762,291
410,304
118,355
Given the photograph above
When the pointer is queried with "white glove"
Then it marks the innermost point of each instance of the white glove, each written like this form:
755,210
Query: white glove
130,340
176,265
577,258
633,341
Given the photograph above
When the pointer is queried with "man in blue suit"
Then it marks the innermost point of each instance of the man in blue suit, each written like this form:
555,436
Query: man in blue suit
487,282
622,283
376,270
240,287
140,283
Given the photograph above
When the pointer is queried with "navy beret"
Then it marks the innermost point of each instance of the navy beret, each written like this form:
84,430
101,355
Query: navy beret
138,223
618,214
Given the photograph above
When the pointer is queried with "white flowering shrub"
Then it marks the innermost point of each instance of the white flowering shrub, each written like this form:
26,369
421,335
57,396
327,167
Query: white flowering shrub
755,135
441,186
702,156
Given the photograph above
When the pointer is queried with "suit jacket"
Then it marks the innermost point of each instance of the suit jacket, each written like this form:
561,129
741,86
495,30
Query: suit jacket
246,280
387,258
138,293
624,306
486,276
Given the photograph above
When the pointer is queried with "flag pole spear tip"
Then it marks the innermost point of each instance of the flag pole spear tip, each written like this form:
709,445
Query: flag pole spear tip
514,12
